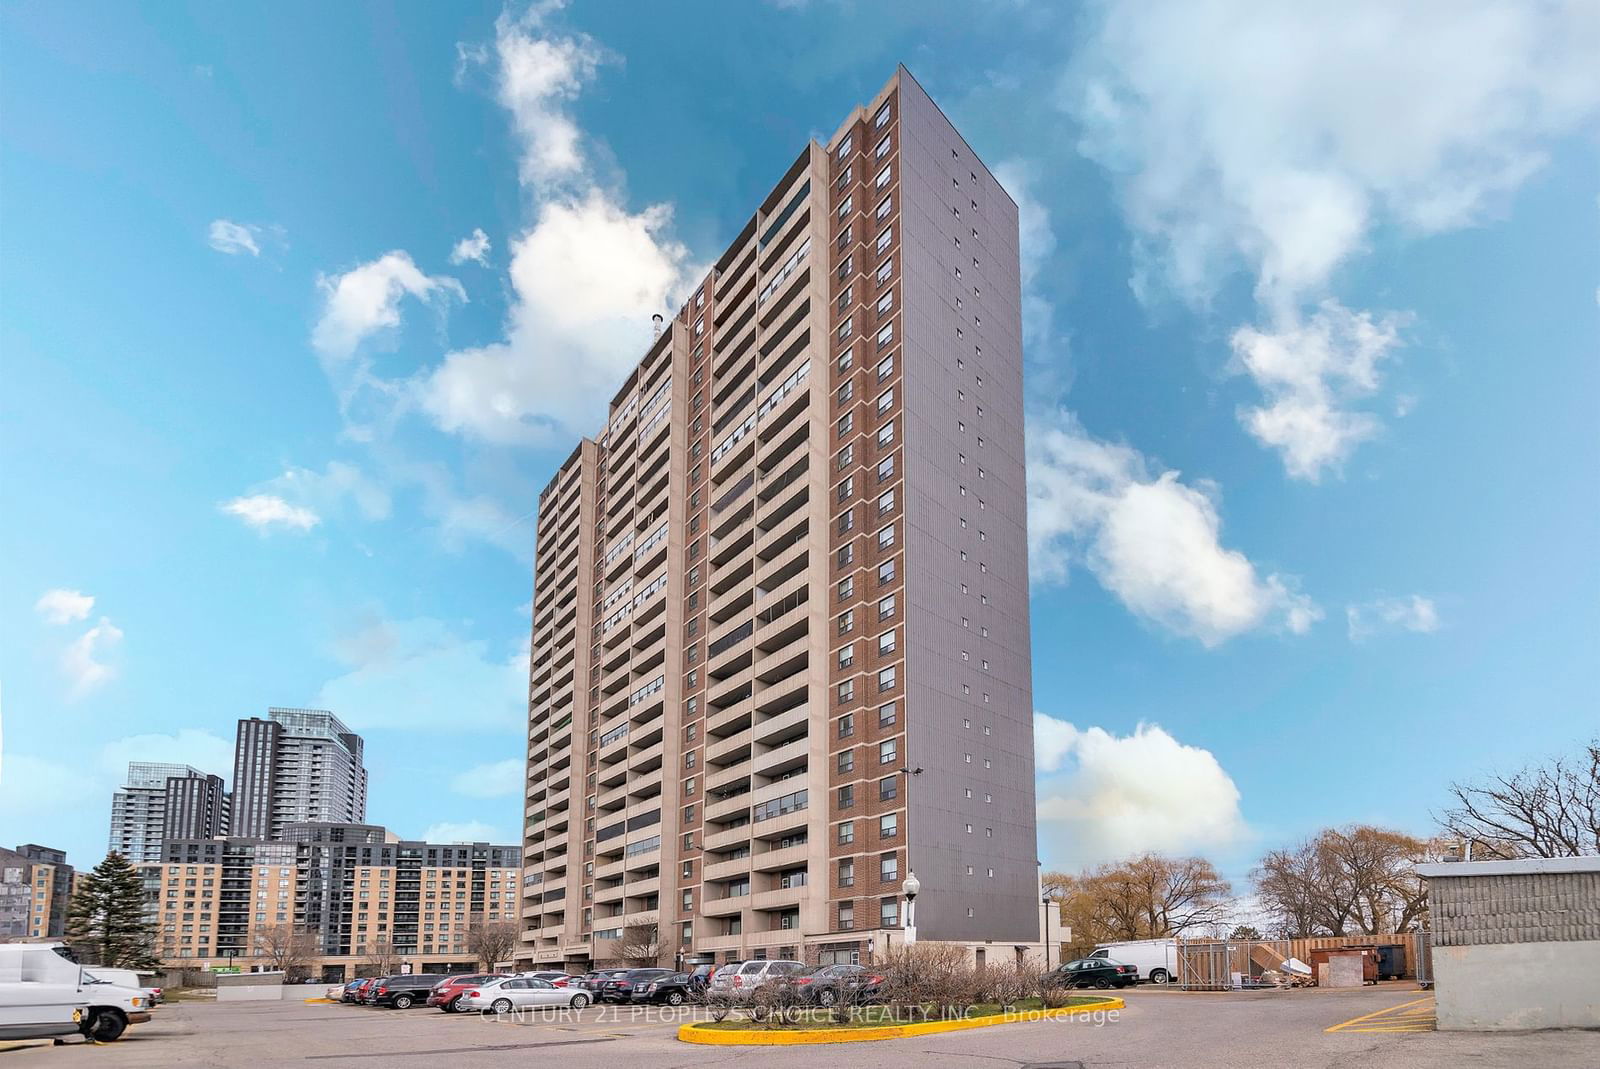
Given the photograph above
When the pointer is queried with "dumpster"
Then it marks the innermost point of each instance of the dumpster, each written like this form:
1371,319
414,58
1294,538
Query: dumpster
1391,961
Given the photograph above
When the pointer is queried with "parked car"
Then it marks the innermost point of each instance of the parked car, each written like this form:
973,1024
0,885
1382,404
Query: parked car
352,990
555,976
446,994
1093,972
506,993
671,989
621,988
593,982
700,979
403,992
753,975
335,993
826,985
721,982
45,993
1155,960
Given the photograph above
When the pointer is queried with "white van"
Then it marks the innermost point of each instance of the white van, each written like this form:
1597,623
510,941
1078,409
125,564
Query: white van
44,993
1156,959
127,978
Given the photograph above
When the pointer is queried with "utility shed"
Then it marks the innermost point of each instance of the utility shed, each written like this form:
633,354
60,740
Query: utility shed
1516,944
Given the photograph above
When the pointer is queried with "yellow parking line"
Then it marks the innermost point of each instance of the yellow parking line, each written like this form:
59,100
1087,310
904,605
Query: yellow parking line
1390,1012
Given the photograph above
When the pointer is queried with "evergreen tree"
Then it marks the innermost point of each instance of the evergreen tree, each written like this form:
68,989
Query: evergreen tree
106,922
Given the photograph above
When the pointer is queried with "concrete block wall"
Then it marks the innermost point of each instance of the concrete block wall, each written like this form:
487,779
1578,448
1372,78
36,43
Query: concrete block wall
1519,908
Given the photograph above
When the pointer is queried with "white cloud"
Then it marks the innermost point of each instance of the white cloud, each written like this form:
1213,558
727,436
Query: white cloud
468,831
327,491
1308,370
497,779
586,279
84,662
474,247
537,73
586,275
62,606
420,675
1151,540
1411,613
234,238
1276,137
267,511
1104,797
366,300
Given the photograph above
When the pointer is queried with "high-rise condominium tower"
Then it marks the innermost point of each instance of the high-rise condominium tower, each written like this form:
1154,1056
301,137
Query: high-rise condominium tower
780,630
297,765
165,800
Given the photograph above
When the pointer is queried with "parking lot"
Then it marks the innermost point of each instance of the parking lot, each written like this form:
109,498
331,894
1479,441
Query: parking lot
1160,1028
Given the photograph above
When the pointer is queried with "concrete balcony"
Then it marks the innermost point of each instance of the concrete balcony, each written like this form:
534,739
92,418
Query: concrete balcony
785,727
723,870
724,840
723,907
723,808
731,749
781,759
783,898
788,857
784,661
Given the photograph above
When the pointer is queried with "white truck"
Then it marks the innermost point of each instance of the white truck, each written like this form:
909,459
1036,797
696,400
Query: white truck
43,993
1156,959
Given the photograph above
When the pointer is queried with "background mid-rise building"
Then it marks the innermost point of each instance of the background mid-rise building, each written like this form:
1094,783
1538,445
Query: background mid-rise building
357,898
296,766
781,651
142,812
36,886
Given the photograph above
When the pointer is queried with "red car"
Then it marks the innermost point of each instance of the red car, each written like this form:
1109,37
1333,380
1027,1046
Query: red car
447,992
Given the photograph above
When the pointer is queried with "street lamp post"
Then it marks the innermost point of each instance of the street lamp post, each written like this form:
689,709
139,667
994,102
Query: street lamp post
911,885
1044,934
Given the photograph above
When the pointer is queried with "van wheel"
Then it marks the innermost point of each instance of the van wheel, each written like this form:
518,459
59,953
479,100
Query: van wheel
1159,976
402,1002
106,1026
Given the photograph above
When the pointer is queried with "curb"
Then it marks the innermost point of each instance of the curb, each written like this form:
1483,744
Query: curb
326,1001
724,1037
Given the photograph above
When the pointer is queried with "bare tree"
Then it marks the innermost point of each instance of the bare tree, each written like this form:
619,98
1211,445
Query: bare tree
1550,810
1146,897
1344,881
382,957
640,946
285,948
492,941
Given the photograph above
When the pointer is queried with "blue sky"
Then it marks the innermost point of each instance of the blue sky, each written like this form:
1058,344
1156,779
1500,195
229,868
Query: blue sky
303,303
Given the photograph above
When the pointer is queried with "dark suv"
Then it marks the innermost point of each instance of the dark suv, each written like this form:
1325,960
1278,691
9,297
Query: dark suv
621,988
404,992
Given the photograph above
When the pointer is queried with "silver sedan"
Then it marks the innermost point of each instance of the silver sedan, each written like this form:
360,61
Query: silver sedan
515,992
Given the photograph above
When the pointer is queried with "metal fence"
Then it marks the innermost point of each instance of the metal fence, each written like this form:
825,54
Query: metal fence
1236,964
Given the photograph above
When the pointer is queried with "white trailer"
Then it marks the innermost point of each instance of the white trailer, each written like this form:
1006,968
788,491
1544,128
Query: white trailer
1156,959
